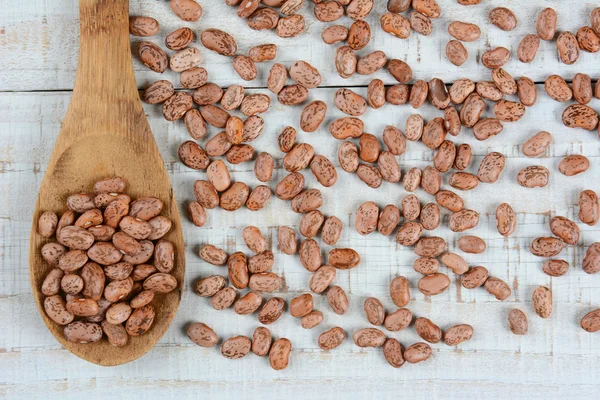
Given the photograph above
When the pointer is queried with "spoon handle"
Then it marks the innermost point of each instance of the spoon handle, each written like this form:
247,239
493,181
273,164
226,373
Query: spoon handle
105,96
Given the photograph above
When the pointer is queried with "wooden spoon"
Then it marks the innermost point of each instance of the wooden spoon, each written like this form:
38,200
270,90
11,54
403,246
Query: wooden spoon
105,133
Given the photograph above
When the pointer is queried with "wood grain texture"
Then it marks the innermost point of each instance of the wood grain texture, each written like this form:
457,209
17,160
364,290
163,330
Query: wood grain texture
557,359
105,133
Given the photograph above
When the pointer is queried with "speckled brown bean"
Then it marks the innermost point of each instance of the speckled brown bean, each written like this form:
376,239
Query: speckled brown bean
573,165
395,24
503,18
400,70
591,261
255,104
337,299
414,127
498,288
307,200
558,89
179,39
350,102
456,52
176,106
546,24
398,94
51,284
332,230
369,148
310,255
427,330
398,320
206,194
332,338
400,291
506,219
546,246
83,332
236,347
452,120
533,176
411,207
474,278
279,355
143,26
435,284
286,238
358,35
460,90
219,41
334,34
489,91
455,262
588,39
491,167
152,56
464,31
237,267
457,334
417,353
245,67
449,200
343,258
209,286
472,110
582,88
388,220
376,93
518,323
345,61
292,95
463,220
565,229
311,223
412,179
248,303
261,341
409,233
206,95
313,115
496,57
158,92
420,23
263,52
527,91
463,181
369,337
472,244
271,310
591,321
347,127
580,116
528,48
263,18
277,77
47,224
82,307
348,157
369,175
568,48
202,334
555,267
542,301
56,309
589,207
434,133
192,155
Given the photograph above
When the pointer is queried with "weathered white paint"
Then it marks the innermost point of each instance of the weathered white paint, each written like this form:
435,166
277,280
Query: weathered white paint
556,359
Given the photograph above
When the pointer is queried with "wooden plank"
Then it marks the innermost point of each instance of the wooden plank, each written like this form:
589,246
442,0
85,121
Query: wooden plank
556,358
38,42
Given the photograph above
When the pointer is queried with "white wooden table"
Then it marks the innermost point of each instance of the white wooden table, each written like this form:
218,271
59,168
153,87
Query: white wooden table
38,56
